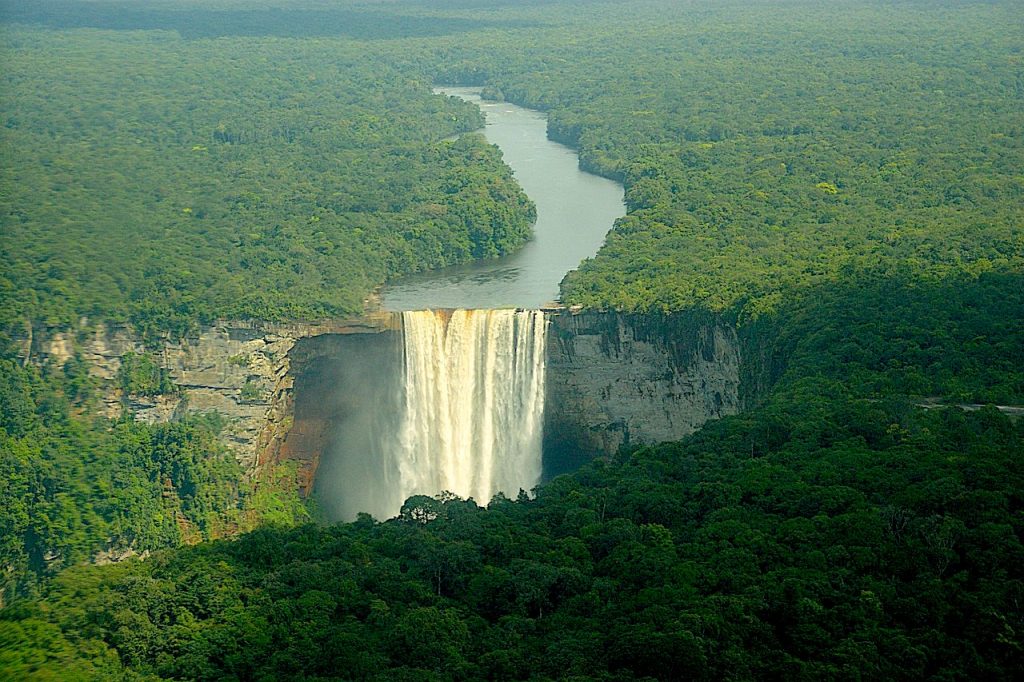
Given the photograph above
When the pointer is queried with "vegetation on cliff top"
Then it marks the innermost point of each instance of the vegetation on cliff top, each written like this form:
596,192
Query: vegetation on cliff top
166,182
770,146
285,177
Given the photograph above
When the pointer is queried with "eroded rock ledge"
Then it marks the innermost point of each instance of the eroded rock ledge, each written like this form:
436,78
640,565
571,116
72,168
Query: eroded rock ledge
239,369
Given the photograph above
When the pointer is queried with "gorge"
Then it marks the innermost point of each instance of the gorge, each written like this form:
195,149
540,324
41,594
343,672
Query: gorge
333,399
465,415
607,380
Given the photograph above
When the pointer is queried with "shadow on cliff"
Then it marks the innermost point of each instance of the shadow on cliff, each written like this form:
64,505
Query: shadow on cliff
346,399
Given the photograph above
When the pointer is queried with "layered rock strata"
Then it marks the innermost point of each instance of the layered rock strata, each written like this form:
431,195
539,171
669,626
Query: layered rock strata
241,370
283,390
615,379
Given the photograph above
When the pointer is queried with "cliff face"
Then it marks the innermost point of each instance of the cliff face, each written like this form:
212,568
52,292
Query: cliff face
614,379
238,370
342,384
241,370
611,379
288,391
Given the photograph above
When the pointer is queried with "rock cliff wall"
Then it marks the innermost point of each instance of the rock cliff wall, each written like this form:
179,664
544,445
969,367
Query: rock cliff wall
614,379
286,391
341,382
241,370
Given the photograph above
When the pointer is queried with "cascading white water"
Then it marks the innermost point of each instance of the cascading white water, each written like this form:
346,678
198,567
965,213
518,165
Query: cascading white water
473,403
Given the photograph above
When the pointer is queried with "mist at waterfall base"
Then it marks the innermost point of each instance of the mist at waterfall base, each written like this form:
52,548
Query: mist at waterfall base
463,414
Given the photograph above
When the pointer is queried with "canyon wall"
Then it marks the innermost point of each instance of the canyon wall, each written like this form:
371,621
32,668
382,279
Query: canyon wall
616,379
340,382
287,391
611,379
241,370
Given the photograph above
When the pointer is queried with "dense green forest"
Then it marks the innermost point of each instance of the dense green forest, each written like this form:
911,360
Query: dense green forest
840,181
767,146
855,541
278,182
75,488
275,176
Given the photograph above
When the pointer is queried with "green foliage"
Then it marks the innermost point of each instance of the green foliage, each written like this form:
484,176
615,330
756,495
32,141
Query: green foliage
231,178
232,185
32,648
275,498
766,147
850,194
830,539
252,392
74,488
884,333
141,374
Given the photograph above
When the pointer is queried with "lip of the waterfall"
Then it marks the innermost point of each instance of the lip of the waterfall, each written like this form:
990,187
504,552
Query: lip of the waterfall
445,314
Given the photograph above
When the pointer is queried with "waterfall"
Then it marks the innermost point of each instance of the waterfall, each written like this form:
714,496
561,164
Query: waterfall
473,403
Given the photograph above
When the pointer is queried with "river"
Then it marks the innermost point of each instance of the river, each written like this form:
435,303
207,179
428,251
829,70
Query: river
575,210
